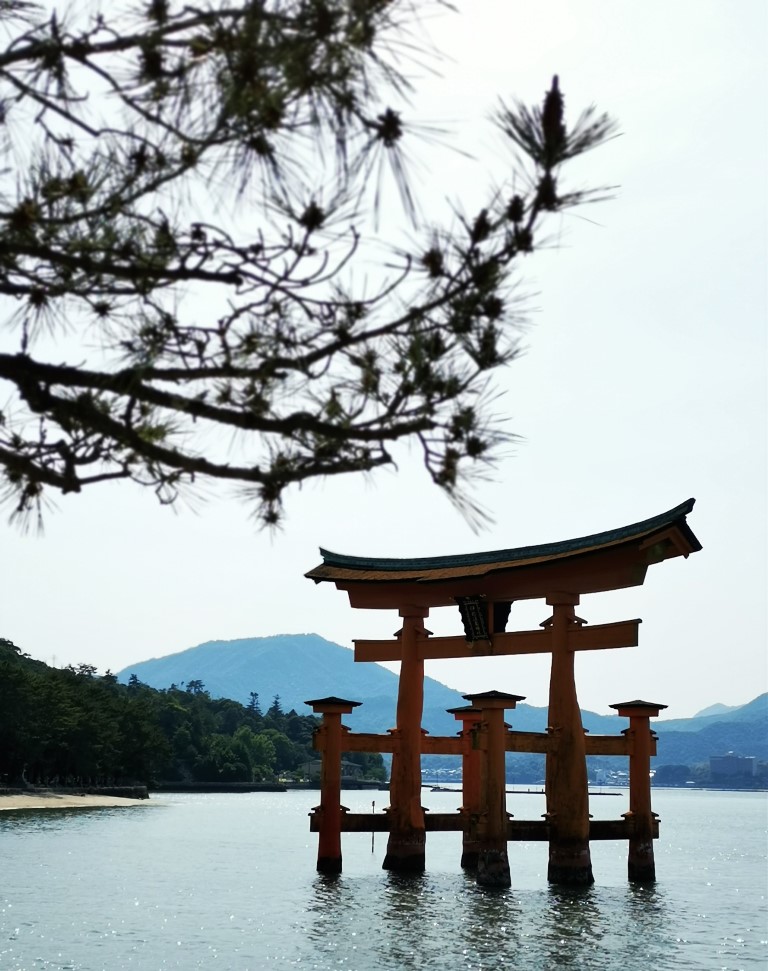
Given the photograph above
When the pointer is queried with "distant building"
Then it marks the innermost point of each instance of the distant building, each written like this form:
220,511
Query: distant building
728,767
349,770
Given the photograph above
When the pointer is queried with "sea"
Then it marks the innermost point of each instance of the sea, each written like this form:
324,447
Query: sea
228,881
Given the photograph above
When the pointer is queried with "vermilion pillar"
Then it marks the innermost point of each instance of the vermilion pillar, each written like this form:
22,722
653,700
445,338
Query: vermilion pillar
492,858
470,783
328,740
641,865
407,838
570,862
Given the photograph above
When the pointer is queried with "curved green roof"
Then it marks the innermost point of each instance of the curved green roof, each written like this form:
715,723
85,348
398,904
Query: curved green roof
674,517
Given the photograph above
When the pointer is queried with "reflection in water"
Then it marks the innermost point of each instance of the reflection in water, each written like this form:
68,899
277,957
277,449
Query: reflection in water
22,822
431,921
602,927
329,911
444,922
646,906
490,929
385,921
573,927
229,881
405,907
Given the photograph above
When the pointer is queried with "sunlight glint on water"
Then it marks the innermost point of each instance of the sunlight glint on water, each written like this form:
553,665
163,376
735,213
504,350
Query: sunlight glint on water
228,881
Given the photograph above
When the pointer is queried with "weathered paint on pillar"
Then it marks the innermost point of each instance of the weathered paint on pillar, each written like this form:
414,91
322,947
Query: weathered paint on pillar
492,859
470,784
570,862
407,837
641,865
328,740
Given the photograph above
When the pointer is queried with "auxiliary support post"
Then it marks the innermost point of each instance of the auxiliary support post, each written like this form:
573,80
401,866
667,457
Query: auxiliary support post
641,866
470,718
492,859
328,740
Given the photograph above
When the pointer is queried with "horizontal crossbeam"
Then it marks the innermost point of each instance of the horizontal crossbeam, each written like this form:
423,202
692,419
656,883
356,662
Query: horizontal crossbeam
369,742
606,744
518,830
529,742
444,745
580,638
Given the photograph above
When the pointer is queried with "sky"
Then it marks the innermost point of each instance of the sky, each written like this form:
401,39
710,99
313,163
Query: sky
643,384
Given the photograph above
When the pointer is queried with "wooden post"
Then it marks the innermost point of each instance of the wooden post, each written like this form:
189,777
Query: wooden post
492,858
407,838
641,866
570,863
470,784
328,740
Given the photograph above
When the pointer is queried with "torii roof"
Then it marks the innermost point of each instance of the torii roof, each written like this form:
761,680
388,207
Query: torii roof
603,561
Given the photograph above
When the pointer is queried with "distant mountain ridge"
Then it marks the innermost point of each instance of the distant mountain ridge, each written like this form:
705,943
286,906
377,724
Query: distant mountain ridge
716,709
755,709
298,667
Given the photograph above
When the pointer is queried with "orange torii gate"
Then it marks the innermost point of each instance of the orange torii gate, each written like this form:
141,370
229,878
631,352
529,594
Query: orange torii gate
484,586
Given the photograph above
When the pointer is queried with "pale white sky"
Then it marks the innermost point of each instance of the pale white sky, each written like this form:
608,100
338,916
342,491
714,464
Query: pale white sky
644,383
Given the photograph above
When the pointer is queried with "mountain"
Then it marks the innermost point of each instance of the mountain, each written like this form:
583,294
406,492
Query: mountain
690,748
298,667
716,709
757,709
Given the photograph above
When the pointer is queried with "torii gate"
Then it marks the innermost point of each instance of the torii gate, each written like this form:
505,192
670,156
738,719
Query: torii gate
484,585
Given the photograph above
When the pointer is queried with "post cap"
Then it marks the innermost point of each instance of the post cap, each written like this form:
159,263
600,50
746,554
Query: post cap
626,709
332,705
493,699
465,713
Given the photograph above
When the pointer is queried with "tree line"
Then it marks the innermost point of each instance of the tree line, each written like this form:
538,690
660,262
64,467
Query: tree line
70,726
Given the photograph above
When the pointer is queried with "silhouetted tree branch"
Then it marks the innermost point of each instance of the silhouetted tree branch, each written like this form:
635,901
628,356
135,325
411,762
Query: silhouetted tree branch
182,212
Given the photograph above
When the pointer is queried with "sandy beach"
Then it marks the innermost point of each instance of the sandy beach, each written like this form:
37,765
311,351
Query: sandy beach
55,800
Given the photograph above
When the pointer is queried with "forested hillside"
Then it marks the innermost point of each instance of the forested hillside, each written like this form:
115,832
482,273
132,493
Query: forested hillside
297,667
301,666
70,726
60,726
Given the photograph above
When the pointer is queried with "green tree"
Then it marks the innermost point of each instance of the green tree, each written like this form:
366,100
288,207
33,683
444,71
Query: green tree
117,122
221,762
287,755
371,763
69,726
229,715
257,750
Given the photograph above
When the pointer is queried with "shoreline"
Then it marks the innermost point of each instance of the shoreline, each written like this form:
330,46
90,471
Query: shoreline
60,800
14,800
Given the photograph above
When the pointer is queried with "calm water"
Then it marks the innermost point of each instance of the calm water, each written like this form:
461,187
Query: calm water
228,881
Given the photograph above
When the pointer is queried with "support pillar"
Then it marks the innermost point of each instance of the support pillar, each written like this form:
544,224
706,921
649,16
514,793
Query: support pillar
570,863
407,836
470,784
328,741
492,858
641,865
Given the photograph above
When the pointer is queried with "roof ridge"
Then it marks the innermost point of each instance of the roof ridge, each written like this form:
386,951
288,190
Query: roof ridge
675,516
